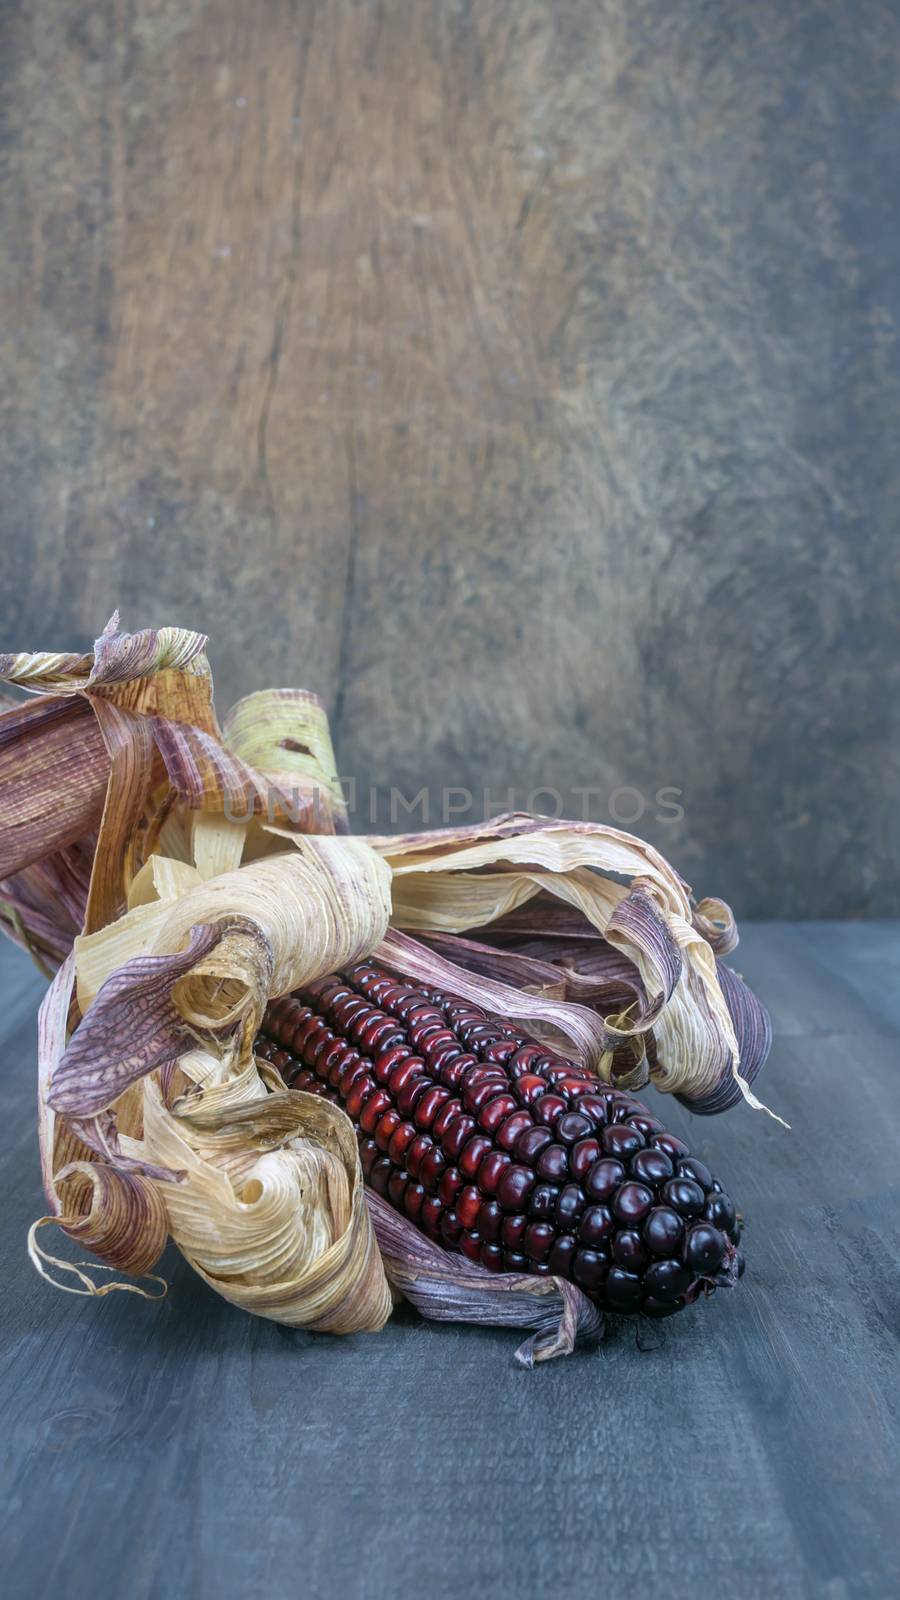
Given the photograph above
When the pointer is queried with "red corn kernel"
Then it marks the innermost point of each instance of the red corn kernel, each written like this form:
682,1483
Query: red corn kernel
401,1141
409,1096
473,1153
496,1111
430,1104
489,1219
582,1157
530,1144
548,1108
446,1114
470,1245
553,1163
512,1231
502,1051
416,1154
448,1070
491,1170
510,1131
458,1133
522,1059
478,1096
371,1111
413,1200
468,1204
451,1231
389,1059
357,1069
400,1076
437,1043
530,1088
449,1187
431,1166
358,1095
388,1123
316,1048
538,1238
514,1187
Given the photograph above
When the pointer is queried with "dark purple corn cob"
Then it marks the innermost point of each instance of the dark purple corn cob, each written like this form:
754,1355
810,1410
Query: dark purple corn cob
499,1149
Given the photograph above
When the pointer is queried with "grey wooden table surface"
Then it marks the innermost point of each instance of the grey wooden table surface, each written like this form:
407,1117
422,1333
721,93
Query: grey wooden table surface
751,1448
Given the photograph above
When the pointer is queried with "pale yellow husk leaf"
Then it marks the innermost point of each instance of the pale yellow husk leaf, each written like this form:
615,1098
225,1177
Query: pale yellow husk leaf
269,1204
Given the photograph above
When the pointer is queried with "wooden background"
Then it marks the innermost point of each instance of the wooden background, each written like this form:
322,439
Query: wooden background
521,375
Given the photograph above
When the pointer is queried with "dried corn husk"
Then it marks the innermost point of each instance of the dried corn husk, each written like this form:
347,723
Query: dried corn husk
179,876
623,892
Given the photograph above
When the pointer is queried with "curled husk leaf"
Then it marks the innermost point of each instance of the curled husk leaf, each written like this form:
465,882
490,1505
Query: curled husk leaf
623,898
176,876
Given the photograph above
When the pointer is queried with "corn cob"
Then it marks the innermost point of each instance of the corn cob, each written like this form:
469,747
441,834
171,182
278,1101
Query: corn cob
501,1150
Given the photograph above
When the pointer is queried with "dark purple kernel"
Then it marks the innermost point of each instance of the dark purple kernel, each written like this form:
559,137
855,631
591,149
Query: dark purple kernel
692,1168
660,1308
562,1255
553,1163
621,1141
548,1108
433,1163
582,1157
496,1111
542,1200
510,1131
686,1196
603,1179
451,1228
665,1280
570,1205
539,1236
514,1261
622,1288
628,1250
489,1219
651,1166
597,1224
512,1231
515,1185
704,1248
572,1127
595,1107
632,1202
663,1230
673,1147
491,1170
530,1144
647,1125
589,1269
720,1212
380,1175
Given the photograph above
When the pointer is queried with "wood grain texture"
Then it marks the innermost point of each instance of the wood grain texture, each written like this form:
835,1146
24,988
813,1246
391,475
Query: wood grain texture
751,1448
519,375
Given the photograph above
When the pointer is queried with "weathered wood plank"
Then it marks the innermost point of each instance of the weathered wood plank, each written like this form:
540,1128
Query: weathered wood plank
516,375
751,1449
